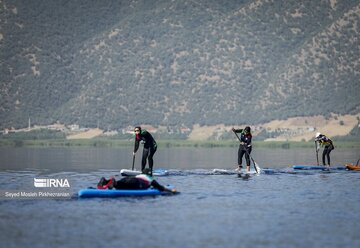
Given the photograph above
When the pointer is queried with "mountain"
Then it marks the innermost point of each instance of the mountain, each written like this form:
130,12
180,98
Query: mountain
177,63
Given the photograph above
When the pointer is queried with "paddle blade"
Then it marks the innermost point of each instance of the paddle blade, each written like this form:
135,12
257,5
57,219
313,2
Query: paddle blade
258,169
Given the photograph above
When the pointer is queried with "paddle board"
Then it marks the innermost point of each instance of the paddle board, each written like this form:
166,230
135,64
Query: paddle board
157,172
352,167
90,193
234,172
224,172
317,167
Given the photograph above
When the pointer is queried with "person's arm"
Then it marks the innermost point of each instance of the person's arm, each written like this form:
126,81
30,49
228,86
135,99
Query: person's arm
237,130
158,186
320,141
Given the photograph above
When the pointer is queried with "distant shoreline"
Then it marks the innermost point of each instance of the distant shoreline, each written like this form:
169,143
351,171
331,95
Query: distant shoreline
166,143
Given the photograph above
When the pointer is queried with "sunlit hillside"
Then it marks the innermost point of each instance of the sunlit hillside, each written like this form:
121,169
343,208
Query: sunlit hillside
111,64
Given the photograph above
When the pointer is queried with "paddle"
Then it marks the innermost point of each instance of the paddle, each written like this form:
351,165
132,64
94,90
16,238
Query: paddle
256,166
317,154
132,168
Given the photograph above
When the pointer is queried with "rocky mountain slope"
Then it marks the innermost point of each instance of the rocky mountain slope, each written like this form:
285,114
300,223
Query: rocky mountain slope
110,64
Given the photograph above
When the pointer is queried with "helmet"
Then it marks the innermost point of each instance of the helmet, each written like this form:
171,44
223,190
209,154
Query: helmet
247,129
317,135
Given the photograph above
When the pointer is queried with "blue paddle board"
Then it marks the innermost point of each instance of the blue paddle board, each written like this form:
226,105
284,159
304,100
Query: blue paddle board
317,167
89,193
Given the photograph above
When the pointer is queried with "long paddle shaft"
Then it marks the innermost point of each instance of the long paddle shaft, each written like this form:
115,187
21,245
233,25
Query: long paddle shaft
248,153
132,168
317,154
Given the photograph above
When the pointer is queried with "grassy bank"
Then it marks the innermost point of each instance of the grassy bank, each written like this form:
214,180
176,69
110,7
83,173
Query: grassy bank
165,143
66,143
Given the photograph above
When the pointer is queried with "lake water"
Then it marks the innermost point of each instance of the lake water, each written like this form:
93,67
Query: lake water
285,209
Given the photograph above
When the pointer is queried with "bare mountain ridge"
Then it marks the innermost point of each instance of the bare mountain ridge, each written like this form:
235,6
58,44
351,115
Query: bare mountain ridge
178,63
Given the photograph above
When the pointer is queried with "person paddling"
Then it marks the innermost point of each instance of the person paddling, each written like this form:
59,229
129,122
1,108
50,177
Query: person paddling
138,182
328,145
149,149
245,146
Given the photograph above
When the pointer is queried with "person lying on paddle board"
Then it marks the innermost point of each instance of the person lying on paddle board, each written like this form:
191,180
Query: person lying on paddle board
245,146
327,143
150,147
138,182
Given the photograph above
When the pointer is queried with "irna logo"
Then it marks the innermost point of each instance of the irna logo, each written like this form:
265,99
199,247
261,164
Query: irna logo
50,182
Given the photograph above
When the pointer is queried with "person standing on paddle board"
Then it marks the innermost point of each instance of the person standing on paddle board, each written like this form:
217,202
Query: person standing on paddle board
327,143
138,182
150,147
245,146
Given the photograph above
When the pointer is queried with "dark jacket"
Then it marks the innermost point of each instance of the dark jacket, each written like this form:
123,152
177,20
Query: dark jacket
244,137
148,139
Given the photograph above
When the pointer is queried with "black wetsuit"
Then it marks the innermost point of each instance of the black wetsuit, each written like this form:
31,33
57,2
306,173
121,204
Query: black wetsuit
138,182
244,148
149,150
328,147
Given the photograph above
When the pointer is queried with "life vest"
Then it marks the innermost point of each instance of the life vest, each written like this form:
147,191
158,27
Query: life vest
246,138
324,141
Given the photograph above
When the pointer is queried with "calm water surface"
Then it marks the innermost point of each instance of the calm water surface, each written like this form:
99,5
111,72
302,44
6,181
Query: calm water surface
285,209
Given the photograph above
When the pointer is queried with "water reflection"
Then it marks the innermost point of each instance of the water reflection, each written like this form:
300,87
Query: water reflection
88,159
